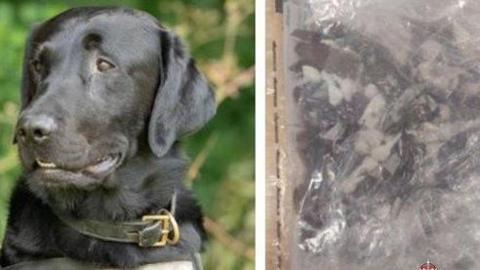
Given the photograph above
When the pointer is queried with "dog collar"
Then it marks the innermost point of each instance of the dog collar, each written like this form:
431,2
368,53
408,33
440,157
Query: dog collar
156,230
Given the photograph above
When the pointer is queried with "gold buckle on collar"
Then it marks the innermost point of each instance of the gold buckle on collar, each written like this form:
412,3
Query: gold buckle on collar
169,228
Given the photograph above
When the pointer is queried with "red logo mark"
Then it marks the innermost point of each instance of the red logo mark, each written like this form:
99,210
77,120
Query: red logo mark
428,266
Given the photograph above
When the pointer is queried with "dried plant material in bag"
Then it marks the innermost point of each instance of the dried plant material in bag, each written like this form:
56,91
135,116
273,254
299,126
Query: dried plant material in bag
387,125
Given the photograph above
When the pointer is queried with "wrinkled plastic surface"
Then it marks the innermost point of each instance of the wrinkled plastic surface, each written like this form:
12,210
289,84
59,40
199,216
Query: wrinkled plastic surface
387,102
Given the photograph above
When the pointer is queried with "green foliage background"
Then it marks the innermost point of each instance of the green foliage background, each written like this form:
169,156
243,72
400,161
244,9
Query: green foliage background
220,34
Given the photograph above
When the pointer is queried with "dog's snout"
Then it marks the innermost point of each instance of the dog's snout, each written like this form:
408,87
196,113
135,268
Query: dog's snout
37,128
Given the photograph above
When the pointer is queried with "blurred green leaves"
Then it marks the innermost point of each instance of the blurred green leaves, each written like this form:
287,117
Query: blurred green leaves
220,34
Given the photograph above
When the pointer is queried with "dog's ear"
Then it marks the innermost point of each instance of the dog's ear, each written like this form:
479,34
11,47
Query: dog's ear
26,92
184,102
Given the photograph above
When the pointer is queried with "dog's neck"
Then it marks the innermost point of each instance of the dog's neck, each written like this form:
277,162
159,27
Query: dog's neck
142,185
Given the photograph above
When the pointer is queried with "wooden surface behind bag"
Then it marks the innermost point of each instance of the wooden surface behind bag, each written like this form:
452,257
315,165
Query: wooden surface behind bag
279,204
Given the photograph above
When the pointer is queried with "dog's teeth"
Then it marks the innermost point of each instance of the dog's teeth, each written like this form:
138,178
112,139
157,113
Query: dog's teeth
46,164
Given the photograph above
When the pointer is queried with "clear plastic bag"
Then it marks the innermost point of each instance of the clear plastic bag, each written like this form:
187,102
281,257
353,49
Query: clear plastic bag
386,96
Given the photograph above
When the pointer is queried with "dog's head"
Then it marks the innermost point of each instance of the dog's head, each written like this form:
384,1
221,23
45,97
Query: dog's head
100,85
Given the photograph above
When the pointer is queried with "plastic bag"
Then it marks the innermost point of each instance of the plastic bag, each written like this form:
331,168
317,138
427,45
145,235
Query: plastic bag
386,96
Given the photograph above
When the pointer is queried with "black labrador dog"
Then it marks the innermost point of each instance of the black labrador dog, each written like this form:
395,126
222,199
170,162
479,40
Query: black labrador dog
107,93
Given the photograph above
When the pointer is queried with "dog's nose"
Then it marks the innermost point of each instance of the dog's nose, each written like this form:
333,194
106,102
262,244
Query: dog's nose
36,128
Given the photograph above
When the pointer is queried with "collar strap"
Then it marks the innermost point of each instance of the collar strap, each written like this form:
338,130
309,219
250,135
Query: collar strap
155,230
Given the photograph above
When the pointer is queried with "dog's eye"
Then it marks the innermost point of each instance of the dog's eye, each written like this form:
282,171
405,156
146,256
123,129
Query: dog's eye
37,66
103,65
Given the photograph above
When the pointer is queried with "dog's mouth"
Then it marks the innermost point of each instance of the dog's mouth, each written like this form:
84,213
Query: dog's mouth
99,168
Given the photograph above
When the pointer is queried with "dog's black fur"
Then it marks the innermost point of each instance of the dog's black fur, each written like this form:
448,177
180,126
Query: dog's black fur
135,103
